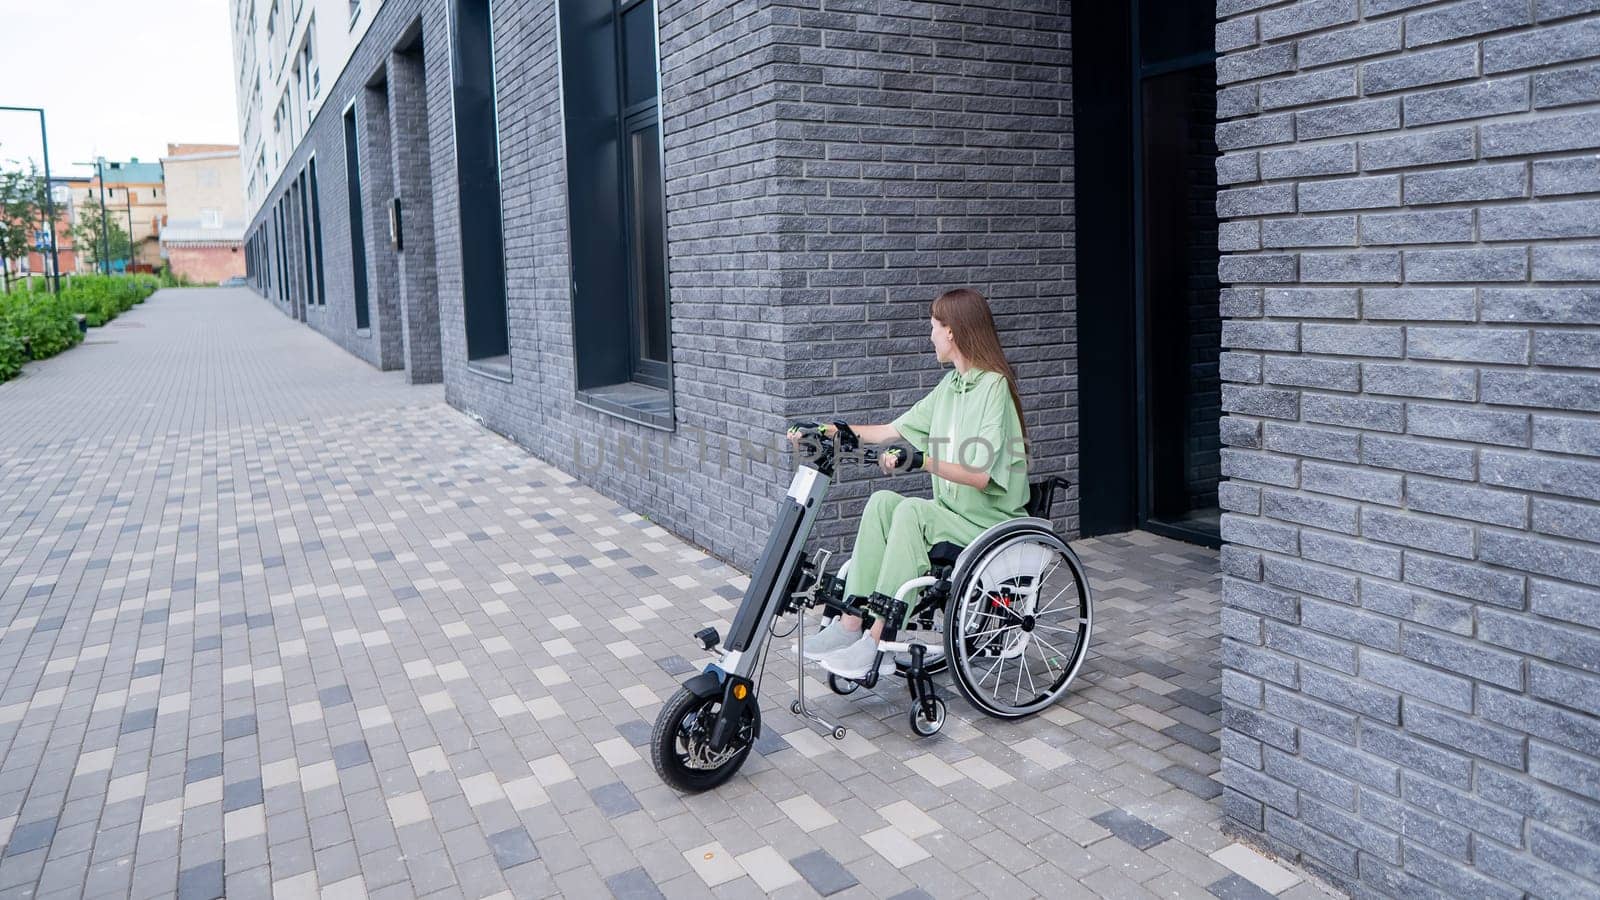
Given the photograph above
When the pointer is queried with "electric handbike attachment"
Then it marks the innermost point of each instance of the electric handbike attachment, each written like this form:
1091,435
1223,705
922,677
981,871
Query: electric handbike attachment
1009,616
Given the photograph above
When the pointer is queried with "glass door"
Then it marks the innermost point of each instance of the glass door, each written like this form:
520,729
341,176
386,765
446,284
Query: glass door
1182,327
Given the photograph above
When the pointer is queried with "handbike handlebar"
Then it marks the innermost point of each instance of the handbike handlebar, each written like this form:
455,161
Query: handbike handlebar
822,449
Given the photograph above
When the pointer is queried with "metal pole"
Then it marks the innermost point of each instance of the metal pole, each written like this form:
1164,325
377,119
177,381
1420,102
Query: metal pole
128,201
49,204
105,226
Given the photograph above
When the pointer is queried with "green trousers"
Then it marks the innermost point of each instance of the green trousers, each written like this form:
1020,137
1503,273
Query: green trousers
894,539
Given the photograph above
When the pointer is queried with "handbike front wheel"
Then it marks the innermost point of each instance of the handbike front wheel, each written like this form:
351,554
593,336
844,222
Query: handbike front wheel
678,745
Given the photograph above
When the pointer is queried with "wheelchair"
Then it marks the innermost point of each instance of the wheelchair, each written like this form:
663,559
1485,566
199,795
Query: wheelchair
1008,616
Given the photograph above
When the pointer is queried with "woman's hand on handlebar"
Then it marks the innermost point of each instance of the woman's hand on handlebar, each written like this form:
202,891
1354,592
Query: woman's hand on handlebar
798,431
889,460
894,460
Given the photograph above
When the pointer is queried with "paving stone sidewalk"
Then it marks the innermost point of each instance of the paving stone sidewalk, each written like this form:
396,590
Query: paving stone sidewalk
275,624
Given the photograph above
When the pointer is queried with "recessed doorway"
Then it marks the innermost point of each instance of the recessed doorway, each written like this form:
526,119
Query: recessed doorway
1149,329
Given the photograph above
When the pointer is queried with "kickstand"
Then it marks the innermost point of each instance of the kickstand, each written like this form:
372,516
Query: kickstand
799,707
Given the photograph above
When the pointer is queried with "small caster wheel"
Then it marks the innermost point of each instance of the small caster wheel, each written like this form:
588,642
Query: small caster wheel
794,707
841,686
923,726
838,733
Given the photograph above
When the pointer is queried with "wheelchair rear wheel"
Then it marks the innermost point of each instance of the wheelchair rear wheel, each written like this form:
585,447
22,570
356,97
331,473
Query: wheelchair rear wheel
1018,624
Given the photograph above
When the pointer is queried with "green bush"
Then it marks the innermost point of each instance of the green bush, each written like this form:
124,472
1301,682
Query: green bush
101,298
12,354
36,325
43,323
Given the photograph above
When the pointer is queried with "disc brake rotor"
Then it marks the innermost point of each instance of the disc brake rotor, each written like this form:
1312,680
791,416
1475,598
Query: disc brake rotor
694,736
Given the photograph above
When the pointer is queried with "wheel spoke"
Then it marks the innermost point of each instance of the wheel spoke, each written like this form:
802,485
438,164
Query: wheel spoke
991,671
1046,657
987,633
999,677
1046,576
1050,604
1053,649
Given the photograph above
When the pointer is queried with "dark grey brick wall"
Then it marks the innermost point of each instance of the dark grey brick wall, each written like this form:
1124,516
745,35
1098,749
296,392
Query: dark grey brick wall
828,174
410,149
916,152
383,276
1412,558
380,344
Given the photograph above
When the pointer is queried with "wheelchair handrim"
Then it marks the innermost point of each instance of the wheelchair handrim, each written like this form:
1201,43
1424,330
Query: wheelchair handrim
985,636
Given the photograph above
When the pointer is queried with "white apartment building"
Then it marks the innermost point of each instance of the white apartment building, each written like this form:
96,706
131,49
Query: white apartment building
286,52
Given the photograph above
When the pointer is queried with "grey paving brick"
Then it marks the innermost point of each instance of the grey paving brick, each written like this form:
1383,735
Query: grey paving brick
202,882
634,884
824,873
513,848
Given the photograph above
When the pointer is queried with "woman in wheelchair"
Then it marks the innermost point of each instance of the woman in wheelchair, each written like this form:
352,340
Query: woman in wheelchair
1010,610
969,434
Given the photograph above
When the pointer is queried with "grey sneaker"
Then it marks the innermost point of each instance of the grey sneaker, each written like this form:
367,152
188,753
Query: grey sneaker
856,660
834,637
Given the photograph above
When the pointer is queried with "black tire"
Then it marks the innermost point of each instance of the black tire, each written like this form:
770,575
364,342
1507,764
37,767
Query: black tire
671,761
844,687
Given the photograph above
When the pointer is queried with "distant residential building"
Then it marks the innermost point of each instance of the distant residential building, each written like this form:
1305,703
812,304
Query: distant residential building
135,195
38,261
204,227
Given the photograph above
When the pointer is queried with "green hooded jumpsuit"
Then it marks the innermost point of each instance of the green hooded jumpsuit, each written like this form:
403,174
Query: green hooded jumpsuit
969,419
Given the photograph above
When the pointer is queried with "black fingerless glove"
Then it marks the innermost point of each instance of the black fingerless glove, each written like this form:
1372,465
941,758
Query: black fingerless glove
906,459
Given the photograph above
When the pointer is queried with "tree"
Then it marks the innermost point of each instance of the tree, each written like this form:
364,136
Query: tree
22,196
89,240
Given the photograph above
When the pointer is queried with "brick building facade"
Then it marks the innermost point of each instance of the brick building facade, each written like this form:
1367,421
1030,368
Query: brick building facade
202,235
1401,341
1411,668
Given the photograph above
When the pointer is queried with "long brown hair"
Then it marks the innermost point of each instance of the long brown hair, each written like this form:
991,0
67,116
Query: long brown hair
966,312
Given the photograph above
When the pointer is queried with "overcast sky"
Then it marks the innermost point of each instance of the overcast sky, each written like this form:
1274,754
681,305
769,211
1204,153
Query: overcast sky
117,78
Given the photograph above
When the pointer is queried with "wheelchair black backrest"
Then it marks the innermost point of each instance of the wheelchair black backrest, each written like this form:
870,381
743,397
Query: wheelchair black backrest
1042,494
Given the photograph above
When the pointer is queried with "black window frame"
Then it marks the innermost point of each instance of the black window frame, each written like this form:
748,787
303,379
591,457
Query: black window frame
316,228
305,239
600,126
358,234
475,129
282,242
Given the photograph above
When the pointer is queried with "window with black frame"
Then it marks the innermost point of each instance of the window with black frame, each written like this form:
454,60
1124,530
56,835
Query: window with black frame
282,249
307,257
316,228
358,236
616,205
483,272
